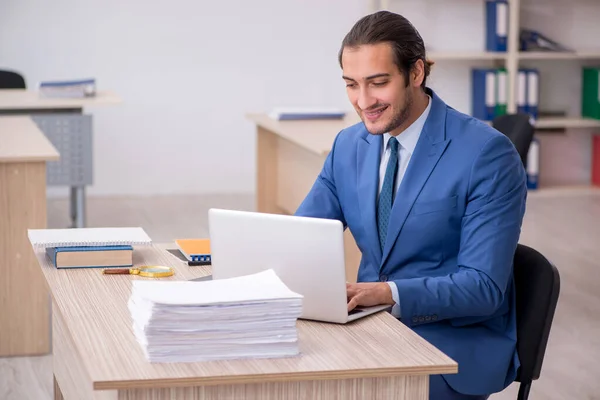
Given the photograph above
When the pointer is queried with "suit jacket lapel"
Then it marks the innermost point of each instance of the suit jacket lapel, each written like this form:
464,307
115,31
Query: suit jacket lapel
368,159
429,149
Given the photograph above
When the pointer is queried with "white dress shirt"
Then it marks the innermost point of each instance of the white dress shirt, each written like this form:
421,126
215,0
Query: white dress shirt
407,141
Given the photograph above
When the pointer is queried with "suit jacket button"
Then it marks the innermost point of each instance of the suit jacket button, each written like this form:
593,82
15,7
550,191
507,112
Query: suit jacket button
415,319
421,319
434,317
383,278
428,318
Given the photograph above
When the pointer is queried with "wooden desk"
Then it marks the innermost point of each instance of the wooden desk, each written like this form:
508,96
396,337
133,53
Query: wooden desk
96,355
28,102
290,155
24,306
13,101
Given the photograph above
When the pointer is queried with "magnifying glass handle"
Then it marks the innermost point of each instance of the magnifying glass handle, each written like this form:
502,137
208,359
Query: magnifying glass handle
117,271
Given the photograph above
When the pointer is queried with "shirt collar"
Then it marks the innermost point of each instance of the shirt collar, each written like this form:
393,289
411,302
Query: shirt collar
409,138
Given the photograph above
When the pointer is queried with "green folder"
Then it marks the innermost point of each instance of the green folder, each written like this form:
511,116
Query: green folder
590,99
501,91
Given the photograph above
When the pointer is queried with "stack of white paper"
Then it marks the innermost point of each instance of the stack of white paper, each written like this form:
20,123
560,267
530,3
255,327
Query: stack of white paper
68,89
252,316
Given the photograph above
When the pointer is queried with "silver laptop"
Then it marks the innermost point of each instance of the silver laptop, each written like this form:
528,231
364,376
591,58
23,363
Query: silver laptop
306,253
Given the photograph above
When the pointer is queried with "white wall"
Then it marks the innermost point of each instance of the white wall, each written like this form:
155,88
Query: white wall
188,71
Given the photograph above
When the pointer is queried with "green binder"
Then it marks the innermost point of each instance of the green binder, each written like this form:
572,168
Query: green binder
501,91
590,99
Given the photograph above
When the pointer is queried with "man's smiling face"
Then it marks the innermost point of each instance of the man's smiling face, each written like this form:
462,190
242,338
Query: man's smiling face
376,87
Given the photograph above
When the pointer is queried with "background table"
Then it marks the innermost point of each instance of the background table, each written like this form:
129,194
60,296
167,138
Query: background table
24,305
289,156
70,130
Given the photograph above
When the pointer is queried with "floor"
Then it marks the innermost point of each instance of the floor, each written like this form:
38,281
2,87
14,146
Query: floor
563,225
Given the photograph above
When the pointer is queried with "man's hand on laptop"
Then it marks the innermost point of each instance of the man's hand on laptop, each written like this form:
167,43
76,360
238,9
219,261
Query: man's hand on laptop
368,294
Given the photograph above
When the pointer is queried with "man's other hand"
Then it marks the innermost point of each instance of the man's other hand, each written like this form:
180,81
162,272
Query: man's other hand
368,294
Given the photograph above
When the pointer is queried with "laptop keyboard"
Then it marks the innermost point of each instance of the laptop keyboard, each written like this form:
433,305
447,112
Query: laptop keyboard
354,311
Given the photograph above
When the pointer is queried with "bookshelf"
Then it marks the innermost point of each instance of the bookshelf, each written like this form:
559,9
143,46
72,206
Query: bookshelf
577,55
564,136
466,55
566,123
509,59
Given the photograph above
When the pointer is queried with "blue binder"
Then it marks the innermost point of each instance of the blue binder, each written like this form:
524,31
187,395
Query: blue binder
533,92
483,99
533,164
535,41
496,22
522,91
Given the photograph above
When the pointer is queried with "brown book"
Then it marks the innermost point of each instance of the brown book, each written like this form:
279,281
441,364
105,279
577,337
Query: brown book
91,256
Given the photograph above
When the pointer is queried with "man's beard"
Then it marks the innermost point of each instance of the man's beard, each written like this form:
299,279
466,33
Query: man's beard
399,118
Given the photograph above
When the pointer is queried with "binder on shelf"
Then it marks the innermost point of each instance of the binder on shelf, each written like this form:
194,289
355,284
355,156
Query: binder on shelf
522,91
483,100
496,21
590,92
533,92
501,91
531,40
533,164
596,160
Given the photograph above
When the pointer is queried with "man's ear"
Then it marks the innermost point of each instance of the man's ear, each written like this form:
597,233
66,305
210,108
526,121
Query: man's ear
417,73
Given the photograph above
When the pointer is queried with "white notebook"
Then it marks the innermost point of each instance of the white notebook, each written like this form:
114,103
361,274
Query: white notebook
44,238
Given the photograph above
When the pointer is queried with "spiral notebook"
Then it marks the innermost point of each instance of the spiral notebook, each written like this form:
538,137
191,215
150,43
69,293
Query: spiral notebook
195,250
78,237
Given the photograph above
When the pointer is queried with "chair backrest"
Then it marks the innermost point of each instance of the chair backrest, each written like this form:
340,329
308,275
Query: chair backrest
11,80
518,128
537,287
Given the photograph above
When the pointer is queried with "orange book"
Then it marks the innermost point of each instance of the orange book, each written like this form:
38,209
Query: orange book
194,249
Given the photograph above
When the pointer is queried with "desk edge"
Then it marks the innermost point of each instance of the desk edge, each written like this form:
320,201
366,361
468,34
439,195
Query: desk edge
29,159
451,368
256,119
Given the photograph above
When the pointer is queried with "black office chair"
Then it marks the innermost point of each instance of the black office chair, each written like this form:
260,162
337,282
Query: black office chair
537,287
518,128
11,80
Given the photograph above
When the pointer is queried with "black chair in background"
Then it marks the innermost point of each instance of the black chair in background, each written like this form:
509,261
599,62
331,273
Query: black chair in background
518,128
537,287
11,80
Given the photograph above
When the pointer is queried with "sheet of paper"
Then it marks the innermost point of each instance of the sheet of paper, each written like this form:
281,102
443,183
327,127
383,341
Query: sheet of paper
265,285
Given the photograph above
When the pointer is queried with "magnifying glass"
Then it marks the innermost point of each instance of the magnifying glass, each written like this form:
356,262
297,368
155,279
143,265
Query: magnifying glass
149,271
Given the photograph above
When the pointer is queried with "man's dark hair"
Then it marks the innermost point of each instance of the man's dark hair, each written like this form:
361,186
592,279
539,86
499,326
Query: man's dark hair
384,26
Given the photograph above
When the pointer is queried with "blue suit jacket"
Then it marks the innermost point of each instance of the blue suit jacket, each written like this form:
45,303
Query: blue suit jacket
453,231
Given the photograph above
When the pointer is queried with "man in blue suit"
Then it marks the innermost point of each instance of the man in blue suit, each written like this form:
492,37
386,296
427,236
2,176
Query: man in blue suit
434,199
